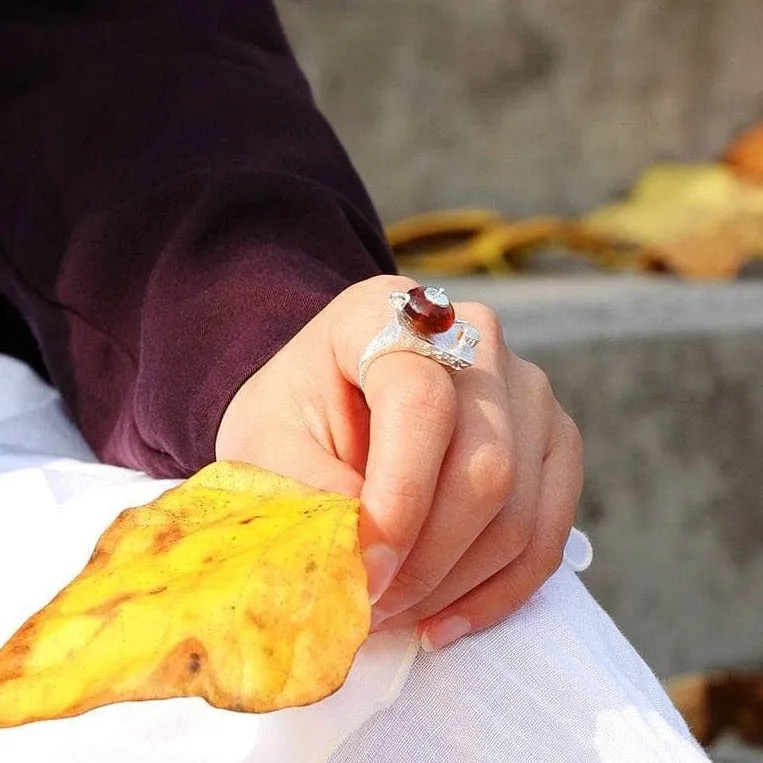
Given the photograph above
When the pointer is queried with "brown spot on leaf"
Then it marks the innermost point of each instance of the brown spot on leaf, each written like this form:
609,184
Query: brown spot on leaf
14,667
109,606
98,555
181,665
311,566
256,620
194,662
166,538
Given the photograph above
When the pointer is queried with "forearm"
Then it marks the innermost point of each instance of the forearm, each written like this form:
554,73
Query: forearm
173,209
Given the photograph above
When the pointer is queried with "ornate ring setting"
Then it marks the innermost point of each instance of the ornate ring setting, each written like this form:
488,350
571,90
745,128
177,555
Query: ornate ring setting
423,321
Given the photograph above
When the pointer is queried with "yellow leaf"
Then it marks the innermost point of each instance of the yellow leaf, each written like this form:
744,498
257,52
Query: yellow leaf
238,586
745,154
719,703
456,223
700,221
459,242
491,248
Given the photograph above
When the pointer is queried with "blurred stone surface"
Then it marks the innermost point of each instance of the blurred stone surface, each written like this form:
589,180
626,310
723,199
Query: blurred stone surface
528,106
665,381
555,106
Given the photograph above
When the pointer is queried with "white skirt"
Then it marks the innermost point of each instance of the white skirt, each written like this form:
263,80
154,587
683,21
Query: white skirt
555,683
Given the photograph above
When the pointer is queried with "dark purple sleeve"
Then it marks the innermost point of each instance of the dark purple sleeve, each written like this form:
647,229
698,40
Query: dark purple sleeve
173,209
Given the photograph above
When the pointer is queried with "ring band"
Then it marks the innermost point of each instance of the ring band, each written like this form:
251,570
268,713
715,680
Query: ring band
423,321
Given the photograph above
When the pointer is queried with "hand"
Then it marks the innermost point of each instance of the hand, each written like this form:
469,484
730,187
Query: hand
469,483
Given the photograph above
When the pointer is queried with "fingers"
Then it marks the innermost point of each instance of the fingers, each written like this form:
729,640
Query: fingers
504,592
534,410
445,458
440,463
478,475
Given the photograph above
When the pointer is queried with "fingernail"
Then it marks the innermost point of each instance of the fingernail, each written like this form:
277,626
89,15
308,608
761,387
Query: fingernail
380,562
444,632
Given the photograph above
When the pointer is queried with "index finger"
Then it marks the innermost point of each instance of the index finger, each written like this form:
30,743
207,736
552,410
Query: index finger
413,407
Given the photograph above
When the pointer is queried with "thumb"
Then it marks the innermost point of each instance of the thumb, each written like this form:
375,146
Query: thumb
297,455
308,462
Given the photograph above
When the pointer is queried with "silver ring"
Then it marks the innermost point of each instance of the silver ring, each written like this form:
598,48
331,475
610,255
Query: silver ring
423,321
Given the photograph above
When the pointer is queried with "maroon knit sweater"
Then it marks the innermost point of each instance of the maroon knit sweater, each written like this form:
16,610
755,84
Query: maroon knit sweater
173,209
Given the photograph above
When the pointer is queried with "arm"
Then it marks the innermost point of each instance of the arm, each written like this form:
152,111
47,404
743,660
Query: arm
173,209
180,228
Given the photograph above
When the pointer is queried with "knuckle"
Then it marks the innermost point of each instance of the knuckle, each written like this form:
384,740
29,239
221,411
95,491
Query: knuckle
548,554
521,529
414,587
516,527
512,589
539,383
568,442
491,472
574,438
386,283
404,490
372,291
485,319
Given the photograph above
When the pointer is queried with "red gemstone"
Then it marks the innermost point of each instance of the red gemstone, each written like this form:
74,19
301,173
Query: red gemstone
429,310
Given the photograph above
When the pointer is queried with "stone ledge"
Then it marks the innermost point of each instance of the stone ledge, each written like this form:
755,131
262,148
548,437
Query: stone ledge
548,311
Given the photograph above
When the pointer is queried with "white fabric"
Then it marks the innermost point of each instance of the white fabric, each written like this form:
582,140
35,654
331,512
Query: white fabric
555,683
